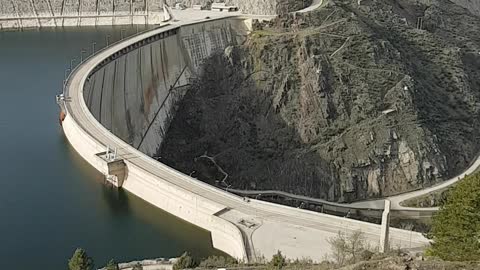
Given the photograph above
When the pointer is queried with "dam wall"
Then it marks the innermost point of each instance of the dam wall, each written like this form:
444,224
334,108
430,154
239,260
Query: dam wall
132,93
21,14
190,206
134,96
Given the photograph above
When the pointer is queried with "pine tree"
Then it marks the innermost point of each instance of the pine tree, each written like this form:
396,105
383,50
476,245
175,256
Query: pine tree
80,261
112,265
456,227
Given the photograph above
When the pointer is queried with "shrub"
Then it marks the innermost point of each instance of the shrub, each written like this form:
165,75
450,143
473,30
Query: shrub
80,261
112,265
456,227
277,262
217,262
348,248
185,261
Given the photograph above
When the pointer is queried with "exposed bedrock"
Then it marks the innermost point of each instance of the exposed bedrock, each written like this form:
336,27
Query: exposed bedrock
346,103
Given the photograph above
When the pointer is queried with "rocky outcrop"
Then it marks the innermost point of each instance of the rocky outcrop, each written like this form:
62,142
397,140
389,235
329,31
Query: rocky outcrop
346,103
472,5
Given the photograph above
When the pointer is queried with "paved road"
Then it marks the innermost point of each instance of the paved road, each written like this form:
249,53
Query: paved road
396,200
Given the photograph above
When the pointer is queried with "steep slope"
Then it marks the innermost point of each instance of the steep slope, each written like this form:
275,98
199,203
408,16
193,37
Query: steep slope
345,103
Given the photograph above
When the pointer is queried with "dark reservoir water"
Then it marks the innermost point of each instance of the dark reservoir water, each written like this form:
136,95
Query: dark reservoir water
51,201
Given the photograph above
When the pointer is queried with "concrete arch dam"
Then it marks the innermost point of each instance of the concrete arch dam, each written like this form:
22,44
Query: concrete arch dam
123,99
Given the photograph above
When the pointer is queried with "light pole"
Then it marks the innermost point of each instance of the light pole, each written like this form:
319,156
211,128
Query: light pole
67,71
93,47
65,75
71,63
107,38
81,55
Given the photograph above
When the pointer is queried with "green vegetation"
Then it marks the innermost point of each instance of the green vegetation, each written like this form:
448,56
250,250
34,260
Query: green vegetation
432,199
80,261
185,261
277,262
456,227
112,265
217,262
348,249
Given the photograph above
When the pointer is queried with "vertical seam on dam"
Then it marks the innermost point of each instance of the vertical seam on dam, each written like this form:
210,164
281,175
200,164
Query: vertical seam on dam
101,98
113,95
161,63
140,77
125,91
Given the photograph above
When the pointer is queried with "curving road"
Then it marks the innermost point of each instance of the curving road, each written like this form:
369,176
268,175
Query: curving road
398,199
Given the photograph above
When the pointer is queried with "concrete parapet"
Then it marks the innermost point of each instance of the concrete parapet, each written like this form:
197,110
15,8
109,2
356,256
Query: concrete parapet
385,227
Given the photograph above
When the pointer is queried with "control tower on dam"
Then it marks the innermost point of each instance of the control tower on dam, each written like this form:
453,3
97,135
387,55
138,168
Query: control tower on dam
116,109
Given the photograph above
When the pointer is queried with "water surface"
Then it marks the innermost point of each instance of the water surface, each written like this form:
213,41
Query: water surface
51,201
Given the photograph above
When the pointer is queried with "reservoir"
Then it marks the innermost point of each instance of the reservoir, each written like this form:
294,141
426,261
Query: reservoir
51,200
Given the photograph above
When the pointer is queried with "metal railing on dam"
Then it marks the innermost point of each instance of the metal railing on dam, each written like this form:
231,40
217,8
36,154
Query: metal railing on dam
123,97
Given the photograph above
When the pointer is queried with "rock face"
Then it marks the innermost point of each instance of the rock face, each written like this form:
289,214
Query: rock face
345,103
261,7
472,5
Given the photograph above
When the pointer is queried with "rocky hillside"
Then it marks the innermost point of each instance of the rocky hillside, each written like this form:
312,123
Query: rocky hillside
472,5
345,103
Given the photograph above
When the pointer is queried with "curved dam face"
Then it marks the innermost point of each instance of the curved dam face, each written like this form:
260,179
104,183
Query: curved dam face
134,95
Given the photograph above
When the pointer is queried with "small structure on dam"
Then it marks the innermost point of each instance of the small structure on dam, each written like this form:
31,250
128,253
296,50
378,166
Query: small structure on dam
116,168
